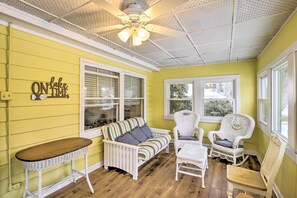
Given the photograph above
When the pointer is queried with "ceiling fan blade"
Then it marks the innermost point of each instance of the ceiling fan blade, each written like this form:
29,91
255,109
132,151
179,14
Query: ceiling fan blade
162,7
110,8
164,30
106,28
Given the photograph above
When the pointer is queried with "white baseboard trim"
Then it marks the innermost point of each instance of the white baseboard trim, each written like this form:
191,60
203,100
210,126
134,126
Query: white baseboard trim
62,185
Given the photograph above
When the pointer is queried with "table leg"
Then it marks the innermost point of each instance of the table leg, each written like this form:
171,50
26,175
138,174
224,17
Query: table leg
39,184
86,173
27,183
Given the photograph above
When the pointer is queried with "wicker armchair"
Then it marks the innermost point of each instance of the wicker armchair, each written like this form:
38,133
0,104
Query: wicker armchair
227,143
186,130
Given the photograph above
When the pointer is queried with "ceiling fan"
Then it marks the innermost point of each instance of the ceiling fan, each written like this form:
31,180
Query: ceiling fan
135,20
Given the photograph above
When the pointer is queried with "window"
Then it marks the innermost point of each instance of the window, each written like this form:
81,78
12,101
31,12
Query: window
179,96
134,97
280,100
218,99
212,97
108,95
277,105
263,100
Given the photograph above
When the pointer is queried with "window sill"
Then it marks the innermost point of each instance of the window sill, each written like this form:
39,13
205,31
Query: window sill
91,133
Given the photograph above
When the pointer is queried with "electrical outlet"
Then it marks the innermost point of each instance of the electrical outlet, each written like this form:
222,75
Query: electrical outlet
5,95
14,186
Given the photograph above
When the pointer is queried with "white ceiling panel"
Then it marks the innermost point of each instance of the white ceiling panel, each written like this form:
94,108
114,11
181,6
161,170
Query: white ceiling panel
251,42
191,4
251,53
260,27
90,16
146,48
174,43
212,35
214,47
190,60
219,60
252,9
157,55
215,14
184,52
57,7
219,55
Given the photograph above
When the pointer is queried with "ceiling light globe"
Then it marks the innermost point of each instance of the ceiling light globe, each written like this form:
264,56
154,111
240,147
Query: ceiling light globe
143,34
124,34
136,41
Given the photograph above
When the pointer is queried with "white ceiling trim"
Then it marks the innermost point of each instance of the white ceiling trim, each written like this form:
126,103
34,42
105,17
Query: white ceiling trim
233,28
282,27
59,34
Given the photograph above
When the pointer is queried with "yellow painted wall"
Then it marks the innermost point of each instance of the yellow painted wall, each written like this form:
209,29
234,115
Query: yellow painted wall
286,179
33,122
246,70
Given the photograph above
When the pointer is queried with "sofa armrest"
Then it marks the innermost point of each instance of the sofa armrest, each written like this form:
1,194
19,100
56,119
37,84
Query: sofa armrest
119,144
160,131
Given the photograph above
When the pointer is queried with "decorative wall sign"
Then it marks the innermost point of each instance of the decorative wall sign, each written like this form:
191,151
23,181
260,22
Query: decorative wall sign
52,89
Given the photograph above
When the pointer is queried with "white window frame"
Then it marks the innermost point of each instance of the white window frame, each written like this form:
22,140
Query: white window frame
144,91
274,96
290,56
92,133
167,98
265,127
198,94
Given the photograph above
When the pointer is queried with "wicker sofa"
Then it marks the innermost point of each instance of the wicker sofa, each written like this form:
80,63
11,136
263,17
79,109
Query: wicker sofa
130,157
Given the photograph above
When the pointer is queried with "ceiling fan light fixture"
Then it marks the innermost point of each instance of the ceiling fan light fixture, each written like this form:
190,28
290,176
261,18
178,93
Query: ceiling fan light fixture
143,34
124,34
136,40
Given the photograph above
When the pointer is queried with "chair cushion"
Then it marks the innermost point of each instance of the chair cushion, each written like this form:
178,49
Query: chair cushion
127,138
138,134
146,130
226,143
182,137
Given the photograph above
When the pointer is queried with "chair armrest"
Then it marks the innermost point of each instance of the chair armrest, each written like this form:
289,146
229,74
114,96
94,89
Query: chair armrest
120,144
212,135
160,131
238,139
200,134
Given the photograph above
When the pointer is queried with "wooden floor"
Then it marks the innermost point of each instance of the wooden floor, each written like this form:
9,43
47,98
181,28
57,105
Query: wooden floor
156,179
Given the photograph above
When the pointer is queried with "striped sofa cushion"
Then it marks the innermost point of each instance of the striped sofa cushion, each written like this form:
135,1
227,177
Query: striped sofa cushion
152,146
116,129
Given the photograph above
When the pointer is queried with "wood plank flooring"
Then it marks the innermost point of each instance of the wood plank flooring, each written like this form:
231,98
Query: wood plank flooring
156,179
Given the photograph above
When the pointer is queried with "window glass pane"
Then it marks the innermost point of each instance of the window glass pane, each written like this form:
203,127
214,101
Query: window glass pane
178,105
280,100
181,91
133,108
263,106
100,115
133,87
218,99
264,87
